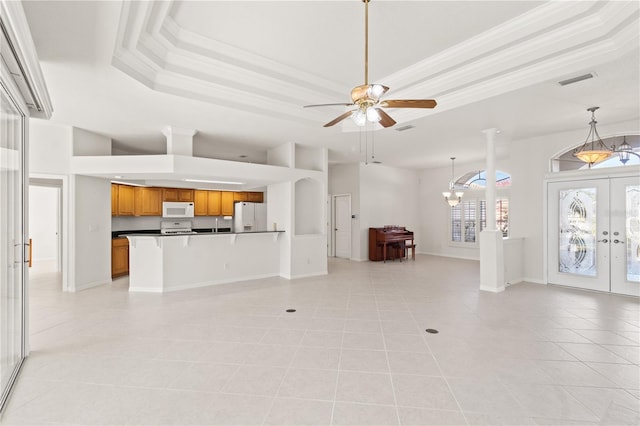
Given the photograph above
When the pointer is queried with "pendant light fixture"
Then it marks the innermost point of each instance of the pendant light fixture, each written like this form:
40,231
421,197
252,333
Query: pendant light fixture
452,196
593,150
624,150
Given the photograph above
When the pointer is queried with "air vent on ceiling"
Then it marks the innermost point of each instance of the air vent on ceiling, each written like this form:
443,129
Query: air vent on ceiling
403,128
575,79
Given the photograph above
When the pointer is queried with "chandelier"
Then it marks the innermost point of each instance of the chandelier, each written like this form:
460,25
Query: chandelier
593,150
457,195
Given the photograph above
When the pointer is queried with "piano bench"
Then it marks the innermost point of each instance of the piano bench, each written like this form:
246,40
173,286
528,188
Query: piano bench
413,250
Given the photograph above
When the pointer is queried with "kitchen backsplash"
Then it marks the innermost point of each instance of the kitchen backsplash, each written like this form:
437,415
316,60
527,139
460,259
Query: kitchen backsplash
132,223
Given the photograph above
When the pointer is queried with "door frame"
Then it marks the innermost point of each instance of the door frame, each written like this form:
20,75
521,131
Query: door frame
64,256
569,176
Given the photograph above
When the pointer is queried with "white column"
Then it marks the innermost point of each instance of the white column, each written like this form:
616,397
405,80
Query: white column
179,140
491,245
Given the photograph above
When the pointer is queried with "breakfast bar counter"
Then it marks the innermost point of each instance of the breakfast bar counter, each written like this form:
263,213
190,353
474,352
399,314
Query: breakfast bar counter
162,263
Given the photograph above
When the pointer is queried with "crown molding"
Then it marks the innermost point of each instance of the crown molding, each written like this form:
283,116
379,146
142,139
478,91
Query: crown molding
550,41
13,23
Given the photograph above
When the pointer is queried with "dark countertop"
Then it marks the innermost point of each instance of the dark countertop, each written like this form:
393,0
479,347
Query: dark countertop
199,231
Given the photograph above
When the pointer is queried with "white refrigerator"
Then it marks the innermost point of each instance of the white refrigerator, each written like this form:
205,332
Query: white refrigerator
249,217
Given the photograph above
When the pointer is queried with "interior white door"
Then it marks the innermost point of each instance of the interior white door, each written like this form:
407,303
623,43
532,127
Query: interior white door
625,236
578,234
342,229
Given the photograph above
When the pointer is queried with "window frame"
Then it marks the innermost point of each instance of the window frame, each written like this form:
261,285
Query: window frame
477,197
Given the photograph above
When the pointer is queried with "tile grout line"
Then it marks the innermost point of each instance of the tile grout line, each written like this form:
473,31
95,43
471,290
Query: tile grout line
386,356
442,373
335,393
286,372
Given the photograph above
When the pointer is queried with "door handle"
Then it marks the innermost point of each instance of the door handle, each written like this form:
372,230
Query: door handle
616,241
604,241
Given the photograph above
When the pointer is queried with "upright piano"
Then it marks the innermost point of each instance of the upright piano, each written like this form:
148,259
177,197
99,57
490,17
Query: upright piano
389,242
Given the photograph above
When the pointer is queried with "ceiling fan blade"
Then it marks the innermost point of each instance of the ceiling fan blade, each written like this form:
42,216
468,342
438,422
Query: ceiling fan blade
409,103
321,105
339,119
385,119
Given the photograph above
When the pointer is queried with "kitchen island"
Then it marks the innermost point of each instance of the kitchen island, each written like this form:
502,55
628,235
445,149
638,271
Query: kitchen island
163,263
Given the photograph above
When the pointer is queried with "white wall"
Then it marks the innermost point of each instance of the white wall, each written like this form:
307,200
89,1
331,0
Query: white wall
50,148
89,143
387,197
92,231
309,206
345,179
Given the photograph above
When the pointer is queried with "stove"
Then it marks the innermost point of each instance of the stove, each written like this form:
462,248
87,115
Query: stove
176,227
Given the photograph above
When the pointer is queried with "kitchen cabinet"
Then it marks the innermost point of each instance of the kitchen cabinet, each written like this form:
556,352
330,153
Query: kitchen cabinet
240,196
114,199
214,203
255,197
148,201
125,200
119,257
200,202
226,203
178,194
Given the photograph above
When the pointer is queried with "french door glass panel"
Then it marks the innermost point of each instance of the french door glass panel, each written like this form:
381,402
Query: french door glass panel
578,223
577,231
12,267
625,236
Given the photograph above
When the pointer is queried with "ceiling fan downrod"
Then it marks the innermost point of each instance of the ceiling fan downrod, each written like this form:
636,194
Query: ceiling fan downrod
366,41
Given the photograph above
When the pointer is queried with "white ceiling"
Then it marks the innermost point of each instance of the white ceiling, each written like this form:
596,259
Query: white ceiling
239,72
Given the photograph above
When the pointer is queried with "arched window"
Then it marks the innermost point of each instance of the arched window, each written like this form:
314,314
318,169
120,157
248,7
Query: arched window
566,160
477,179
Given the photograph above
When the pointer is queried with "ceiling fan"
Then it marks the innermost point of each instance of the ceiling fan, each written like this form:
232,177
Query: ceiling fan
366,98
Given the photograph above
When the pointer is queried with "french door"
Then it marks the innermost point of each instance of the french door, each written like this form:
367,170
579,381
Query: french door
12,240
594,234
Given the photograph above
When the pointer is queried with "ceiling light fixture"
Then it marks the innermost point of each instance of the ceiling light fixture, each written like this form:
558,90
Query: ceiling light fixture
624,150
593,151
453,201
214,181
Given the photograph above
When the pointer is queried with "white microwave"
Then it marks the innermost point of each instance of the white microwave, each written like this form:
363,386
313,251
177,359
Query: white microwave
177,209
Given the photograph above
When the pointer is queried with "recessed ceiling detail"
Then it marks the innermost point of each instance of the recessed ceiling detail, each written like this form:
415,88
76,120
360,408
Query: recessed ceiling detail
546,43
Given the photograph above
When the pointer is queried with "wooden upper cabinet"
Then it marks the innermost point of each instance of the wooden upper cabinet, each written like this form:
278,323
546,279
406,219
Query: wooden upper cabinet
200,202
114,199
177,194
255,197
148,201
126,197
213,203
240,196
226,203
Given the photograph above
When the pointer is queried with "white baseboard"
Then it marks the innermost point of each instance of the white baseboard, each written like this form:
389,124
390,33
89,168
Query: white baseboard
449,255
87,286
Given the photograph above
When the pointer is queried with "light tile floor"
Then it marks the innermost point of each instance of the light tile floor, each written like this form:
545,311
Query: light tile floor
355,352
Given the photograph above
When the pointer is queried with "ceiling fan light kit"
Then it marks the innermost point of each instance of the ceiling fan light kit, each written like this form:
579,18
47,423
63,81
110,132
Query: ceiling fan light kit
366,97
